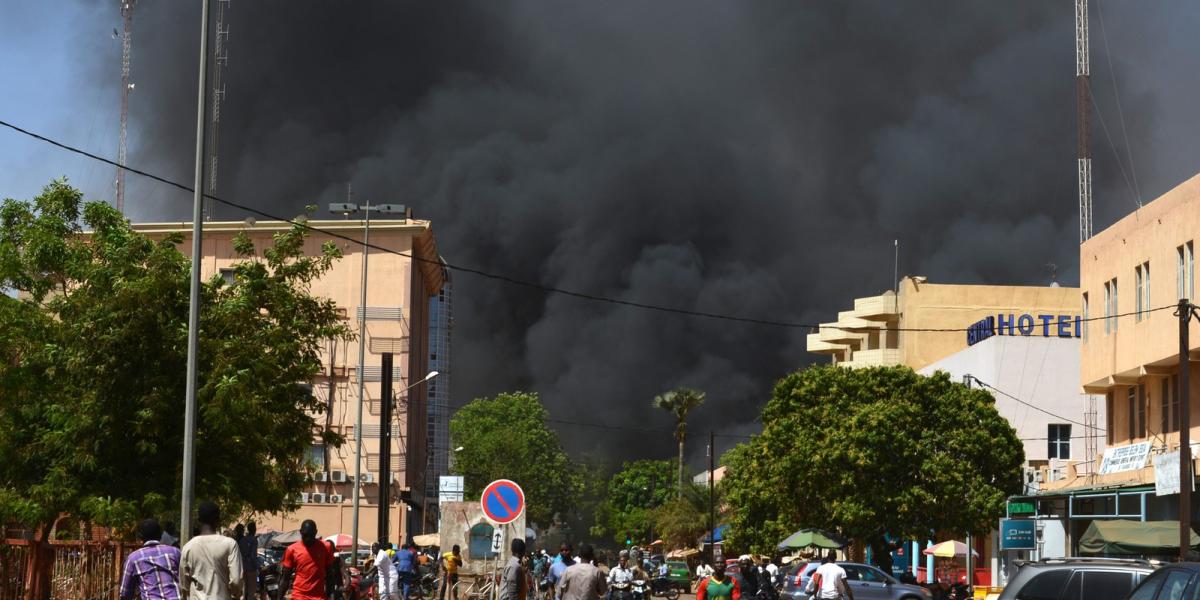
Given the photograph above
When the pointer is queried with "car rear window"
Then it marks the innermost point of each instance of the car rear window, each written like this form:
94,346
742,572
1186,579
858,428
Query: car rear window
1044,586
1088,584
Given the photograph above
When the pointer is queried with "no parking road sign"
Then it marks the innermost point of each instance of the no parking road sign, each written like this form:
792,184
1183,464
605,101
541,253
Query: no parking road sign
503,501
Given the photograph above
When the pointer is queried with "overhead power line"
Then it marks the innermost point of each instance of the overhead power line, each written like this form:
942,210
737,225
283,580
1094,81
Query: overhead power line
515,280
1033,406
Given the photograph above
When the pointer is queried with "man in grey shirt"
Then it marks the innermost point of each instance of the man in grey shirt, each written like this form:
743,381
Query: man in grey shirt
583,581
513,583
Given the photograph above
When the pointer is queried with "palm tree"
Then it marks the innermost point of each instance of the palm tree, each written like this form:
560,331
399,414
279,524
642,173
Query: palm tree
679,402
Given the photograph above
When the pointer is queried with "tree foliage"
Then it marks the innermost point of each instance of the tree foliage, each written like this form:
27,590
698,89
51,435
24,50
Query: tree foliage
630,497
684,520
871,452
506,437
92,367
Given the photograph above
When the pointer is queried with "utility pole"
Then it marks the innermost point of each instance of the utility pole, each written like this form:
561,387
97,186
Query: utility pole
712,497
189,411
1083,106
220,60
126,87
385,445
1184,312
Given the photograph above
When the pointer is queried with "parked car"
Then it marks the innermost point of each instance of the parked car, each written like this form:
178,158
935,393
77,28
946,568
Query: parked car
1076,579
867,583
1172,582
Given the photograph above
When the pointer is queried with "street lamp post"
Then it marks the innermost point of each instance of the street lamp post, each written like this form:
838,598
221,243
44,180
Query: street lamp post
347,209
385,451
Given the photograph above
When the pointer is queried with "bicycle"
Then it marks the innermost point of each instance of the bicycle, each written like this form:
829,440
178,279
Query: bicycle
480,588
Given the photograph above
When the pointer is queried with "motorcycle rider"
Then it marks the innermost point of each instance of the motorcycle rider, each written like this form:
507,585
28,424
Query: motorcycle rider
620,577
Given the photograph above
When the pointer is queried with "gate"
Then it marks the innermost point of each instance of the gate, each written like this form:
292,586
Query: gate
61,570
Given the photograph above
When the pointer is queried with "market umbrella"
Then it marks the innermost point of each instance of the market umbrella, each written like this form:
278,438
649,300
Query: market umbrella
949,549
427,540
811,537
283,539
343,541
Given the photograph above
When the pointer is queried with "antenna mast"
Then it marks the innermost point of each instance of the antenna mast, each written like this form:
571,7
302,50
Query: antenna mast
126,87
1083,96
221,54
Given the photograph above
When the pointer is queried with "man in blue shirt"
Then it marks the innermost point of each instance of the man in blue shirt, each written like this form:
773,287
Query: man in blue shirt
406,565
561,562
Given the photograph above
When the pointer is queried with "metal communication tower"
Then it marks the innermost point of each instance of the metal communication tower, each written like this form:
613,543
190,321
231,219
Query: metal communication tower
1090,435
221,54
126,87
1083,97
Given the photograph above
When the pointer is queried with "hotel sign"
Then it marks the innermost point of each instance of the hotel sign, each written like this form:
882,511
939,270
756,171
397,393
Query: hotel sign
1124,458
1063,326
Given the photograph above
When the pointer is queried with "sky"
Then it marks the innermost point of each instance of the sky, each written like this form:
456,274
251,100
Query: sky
755,159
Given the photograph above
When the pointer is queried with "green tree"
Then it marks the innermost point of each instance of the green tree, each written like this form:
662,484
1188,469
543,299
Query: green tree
630,498
92,364
679,403
871,452
684,520
506,437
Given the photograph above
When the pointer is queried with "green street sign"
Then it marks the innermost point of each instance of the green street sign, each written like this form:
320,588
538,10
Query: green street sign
1021,508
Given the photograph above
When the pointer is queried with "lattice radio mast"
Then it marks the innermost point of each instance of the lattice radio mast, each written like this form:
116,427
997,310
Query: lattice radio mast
126,88
221,54
1083,97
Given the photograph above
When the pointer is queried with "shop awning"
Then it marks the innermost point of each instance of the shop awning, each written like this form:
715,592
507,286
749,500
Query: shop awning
1118,537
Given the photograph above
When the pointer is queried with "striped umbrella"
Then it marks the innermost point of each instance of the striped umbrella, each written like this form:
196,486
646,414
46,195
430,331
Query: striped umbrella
949,549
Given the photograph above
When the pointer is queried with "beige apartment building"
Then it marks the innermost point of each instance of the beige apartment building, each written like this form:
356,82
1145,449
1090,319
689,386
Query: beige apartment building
396,317
865,336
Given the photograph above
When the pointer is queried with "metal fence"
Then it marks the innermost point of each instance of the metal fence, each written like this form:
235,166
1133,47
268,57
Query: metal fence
61,570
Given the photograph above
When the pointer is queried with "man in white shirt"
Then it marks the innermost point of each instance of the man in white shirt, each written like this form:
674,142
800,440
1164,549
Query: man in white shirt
832,579
210,565
388,582
621,574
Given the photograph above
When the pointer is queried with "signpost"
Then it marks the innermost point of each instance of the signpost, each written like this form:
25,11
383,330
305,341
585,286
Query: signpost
498,540
503,502
1018,534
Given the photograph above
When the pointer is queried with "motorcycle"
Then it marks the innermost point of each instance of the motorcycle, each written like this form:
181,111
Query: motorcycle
639,589
663,588
621,591
960,591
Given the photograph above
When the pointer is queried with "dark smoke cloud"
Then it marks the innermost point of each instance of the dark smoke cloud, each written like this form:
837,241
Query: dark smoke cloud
752,158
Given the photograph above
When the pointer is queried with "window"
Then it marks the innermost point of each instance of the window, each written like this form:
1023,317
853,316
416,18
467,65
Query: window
1142,401
1174,585
1185,272
1084,322
229,275
1059,437
480,541
1105,584
1150,586
1044,586
316,456
1108,417
1131,410
1110,306
1138,286
1169,403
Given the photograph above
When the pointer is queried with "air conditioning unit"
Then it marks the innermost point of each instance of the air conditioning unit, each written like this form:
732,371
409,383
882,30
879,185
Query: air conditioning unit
335,498
366,478
304,497
337,476
320,476
317,498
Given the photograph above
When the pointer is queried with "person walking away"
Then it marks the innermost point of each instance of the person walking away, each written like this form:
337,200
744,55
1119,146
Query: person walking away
387,580
406,566
451,561
559,566
831,580
513,582
152,571
306,565
749,578
583,581
248,548
210,566
719,587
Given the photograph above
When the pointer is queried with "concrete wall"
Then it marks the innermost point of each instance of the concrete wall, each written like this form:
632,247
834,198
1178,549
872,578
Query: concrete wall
1040,371
457,519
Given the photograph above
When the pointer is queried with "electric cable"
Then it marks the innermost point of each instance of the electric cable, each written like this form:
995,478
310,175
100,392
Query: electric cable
815,327
1033,406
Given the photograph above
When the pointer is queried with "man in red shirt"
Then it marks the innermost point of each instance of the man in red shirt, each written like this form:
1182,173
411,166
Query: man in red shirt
306,566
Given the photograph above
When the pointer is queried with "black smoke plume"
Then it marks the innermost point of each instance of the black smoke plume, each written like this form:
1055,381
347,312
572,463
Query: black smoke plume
750,158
